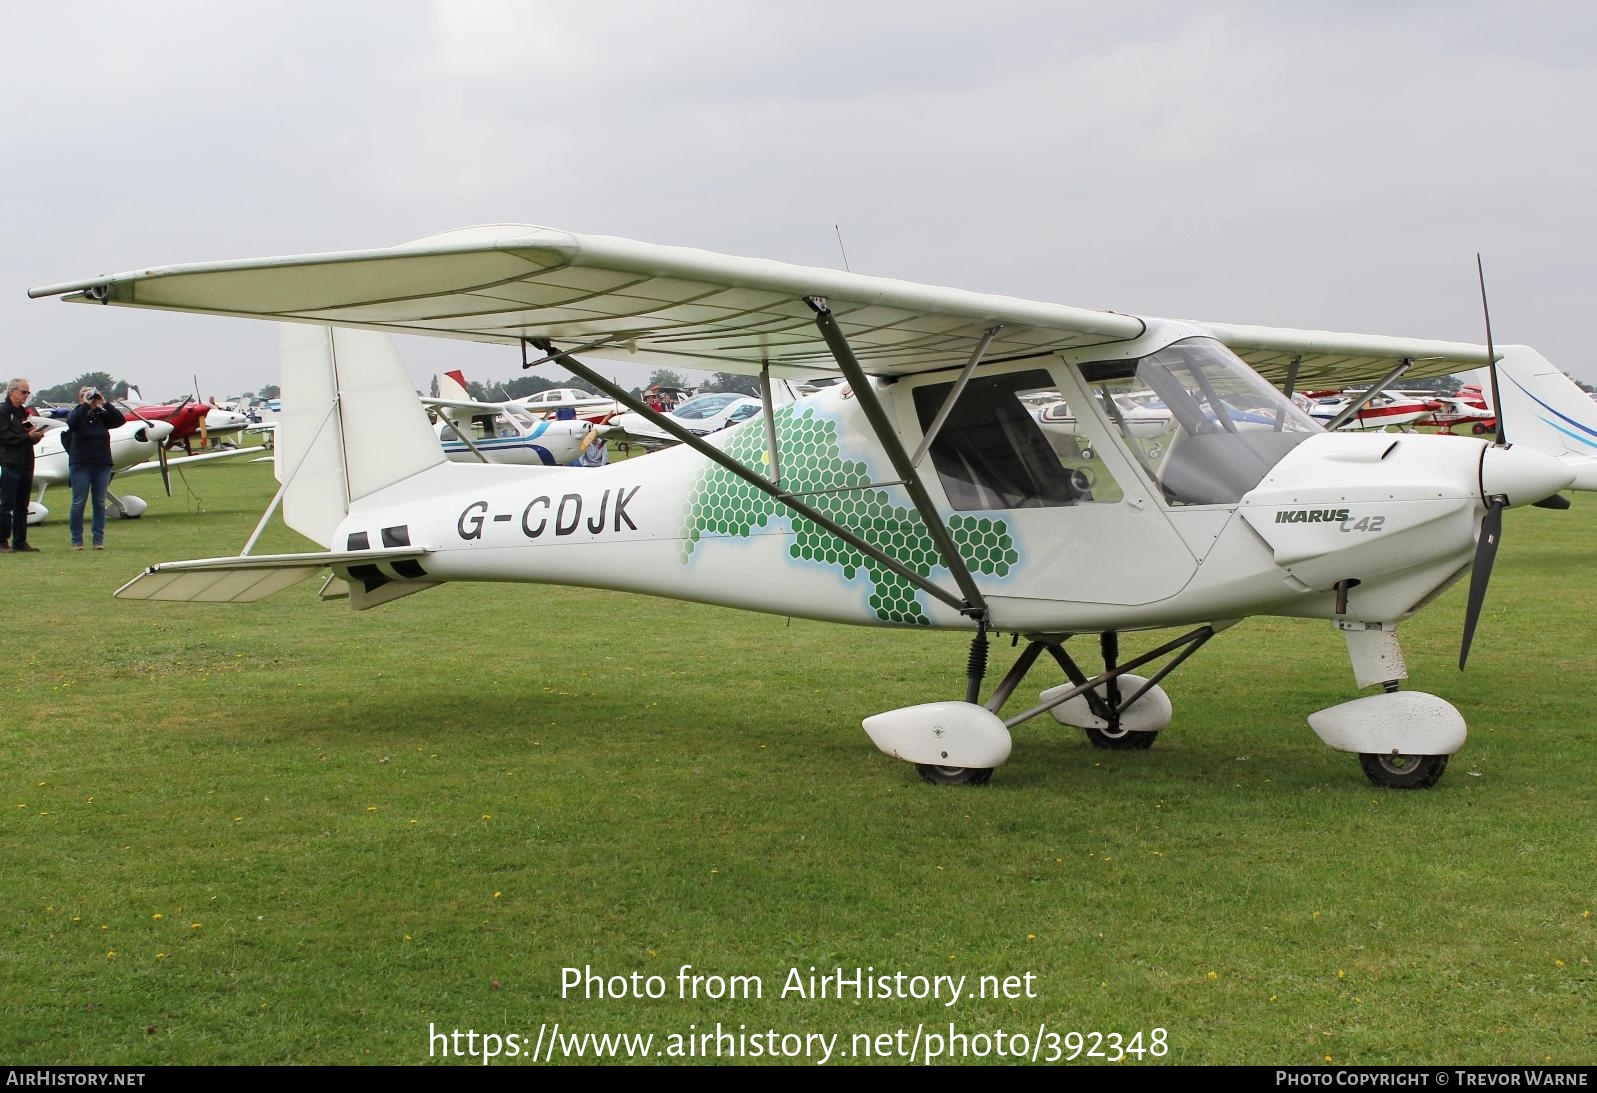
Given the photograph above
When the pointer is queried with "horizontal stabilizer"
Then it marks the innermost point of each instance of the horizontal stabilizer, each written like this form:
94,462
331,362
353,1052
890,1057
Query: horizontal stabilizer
247,578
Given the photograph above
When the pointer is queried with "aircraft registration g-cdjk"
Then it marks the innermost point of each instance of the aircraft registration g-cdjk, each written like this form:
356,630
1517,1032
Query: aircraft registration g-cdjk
923,493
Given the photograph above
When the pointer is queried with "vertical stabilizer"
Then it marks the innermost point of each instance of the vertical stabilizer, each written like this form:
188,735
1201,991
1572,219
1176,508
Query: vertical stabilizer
351,425
1543,409
452,385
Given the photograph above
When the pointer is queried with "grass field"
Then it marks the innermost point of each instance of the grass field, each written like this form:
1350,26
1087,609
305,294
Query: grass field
288,832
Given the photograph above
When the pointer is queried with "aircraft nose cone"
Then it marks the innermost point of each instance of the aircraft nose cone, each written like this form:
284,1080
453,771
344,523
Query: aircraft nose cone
1525,476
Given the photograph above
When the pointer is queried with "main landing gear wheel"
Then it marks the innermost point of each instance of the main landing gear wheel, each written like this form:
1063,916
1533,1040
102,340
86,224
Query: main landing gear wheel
1403,771
1124,740
954,776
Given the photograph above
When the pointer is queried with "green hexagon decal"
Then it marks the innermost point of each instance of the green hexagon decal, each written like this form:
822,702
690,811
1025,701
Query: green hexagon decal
722,503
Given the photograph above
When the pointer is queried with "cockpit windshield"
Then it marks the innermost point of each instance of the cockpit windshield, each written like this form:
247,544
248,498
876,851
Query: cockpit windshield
703,406
1204,425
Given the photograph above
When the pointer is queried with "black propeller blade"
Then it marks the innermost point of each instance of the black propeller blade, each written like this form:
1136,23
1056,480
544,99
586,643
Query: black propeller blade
1481,572
1491,354
166,474
160,449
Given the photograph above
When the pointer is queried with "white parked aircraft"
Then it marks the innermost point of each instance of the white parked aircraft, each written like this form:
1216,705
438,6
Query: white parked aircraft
922,495
471,431
587,406
137,447
700,415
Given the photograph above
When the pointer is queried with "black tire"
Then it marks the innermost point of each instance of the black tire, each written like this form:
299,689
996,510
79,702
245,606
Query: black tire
955,776
1403,771
1126,741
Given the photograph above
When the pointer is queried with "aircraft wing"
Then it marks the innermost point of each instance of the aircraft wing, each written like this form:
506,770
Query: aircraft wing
465,404
1328,359
701,310
500,283
248,578
177,461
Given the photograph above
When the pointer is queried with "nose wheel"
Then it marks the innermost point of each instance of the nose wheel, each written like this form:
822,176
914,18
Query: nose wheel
1403,771
954,776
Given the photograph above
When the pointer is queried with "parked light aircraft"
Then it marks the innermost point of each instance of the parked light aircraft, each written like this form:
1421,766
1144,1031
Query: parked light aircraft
1379,413
138,446
507,432
922,495
1468,406
214,425
700,415
588,407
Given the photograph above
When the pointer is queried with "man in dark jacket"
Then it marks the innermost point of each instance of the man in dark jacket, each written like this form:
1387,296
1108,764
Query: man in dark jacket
89,425
18,435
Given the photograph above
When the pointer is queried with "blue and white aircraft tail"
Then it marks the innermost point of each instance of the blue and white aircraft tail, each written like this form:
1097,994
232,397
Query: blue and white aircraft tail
1544,410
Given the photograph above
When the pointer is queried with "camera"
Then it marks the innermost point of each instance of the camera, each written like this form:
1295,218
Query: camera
92,394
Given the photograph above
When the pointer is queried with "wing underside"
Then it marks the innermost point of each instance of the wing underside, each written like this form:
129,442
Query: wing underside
615,297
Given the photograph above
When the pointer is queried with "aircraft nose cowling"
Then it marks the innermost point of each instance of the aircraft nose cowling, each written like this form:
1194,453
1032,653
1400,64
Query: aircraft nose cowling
1522,475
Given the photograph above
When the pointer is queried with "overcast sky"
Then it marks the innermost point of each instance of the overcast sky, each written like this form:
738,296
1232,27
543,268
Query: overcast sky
1329,165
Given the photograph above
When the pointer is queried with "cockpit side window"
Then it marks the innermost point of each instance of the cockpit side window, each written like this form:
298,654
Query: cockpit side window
991,452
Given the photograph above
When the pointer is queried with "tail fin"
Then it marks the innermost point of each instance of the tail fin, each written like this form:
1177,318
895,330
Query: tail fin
351,424
452,385
1543,409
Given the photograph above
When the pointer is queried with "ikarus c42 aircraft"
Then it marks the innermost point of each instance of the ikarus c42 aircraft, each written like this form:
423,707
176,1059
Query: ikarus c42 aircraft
921,493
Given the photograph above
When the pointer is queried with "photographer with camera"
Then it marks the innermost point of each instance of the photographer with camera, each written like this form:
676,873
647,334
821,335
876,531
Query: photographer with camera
89,426
18,435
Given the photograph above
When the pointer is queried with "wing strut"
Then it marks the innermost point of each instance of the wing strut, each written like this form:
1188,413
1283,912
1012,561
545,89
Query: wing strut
953,396
975,605
1292,375
770,421
1359,403
759,482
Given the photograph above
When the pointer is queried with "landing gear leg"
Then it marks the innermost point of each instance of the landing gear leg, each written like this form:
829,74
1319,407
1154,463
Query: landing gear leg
1114,736
975,672
958,743
1402,738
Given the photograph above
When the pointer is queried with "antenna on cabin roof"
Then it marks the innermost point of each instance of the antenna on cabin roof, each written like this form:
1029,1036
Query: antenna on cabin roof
842,248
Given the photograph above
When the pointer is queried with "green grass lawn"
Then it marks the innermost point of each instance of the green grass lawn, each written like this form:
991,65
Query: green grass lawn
287,832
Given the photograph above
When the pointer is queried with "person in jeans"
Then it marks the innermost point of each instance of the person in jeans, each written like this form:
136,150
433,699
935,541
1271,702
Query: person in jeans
18,435
89,426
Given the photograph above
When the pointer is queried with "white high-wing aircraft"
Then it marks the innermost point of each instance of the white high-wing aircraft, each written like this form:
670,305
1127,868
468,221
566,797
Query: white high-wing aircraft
588,407
507,432
924,494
